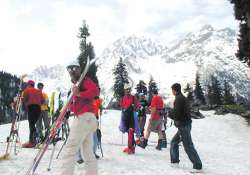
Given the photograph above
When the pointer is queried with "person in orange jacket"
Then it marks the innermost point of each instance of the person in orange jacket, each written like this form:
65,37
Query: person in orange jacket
155,121
32,98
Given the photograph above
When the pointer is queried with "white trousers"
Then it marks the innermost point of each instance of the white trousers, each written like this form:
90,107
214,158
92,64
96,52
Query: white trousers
81,135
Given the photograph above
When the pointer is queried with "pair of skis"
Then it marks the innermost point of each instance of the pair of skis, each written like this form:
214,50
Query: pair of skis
57,125
13,137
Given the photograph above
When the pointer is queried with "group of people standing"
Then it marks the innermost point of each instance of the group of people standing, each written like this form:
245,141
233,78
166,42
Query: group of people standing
86,107
134,109
36,104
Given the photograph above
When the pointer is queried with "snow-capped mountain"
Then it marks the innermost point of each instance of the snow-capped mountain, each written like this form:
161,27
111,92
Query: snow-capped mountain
209,51
213,52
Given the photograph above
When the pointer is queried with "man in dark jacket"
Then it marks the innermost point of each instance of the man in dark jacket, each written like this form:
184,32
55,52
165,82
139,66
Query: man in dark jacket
182,120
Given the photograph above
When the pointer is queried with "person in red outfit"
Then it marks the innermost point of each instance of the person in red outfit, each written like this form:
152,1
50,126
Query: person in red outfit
155,121
83,126
32,98
129,104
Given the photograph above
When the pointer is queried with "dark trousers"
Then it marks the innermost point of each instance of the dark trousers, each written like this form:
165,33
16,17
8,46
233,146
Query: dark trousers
129,118
129,122
142,122
33,115
184,134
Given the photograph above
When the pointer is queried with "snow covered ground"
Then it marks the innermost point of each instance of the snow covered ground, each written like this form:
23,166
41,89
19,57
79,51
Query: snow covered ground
221,141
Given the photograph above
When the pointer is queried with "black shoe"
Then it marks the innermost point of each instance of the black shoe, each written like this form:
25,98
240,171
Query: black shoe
197,167
97,157
143,143
80,161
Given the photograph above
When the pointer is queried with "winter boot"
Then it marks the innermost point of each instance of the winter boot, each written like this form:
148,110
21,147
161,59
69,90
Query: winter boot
125,150
158,147
131,141
131,150
28,145
143,143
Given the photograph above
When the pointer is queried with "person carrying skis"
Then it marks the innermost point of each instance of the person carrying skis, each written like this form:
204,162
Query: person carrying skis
129,104
155,121
44,116
83,126
182,120
32,98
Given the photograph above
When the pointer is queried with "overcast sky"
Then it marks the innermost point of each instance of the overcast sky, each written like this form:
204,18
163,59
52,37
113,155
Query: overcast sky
44,32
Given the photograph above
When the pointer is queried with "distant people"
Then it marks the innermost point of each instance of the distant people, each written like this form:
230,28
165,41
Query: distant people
182,120
32,98
44,117
129,104
83,126
155,121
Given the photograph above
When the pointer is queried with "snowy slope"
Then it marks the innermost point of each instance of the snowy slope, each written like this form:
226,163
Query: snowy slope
222,142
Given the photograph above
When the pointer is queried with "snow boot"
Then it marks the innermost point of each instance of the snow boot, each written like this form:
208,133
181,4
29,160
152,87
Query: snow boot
158,147
131,150
131,142
143,143
28,145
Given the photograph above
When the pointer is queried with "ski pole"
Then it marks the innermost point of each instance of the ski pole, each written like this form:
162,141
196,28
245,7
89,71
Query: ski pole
52,155
61,149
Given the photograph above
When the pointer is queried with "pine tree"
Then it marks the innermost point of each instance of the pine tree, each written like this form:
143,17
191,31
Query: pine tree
214,92
141,88
121,77
9,85
242,13
199,95
87,50
151,87
228,97
190,94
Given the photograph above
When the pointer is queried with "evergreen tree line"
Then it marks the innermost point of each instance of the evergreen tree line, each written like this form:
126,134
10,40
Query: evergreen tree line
9,85
216,94
121,77
242,13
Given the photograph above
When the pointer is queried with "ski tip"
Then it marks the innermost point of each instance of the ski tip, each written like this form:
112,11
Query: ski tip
5,157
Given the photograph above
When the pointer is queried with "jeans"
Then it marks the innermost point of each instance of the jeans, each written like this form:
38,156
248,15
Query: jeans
184,134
